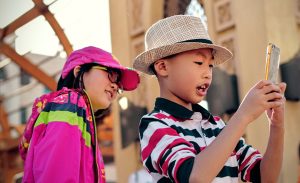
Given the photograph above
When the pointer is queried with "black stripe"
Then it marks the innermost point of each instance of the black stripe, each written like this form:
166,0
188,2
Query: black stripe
196,146
207,41
186,132
244,171
211,132
255,173
228,171
243,155
164,180
145,121
149,166
170,170
239,145
52,106
165,156
184,171
80,111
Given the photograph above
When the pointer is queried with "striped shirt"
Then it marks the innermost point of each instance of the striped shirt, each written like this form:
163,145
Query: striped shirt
171,136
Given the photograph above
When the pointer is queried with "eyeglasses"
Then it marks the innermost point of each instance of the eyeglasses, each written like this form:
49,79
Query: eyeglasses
113,75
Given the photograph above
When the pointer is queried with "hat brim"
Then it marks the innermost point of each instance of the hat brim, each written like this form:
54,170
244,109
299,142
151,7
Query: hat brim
143,61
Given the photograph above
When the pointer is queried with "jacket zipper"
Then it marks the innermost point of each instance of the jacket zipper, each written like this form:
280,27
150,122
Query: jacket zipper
95,136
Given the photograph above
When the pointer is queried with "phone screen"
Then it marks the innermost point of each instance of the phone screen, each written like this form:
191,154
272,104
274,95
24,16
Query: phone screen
272,62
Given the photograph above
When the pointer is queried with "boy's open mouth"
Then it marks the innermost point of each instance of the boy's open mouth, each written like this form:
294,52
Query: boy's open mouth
202,89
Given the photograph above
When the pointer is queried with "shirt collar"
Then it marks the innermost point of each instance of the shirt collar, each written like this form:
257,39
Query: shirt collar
180,112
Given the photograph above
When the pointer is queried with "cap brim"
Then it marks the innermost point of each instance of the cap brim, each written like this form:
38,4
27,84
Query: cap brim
145,59
129,79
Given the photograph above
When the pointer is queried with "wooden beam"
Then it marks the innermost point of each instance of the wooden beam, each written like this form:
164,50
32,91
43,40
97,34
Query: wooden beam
19,22
39,9
55,25
28,67
59,32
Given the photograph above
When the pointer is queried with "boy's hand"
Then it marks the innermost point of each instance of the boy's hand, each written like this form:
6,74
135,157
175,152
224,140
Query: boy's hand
276,115
261,97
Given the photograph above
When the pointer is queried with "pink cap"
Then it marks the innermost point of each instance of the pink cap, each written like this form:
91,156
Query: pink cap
129,79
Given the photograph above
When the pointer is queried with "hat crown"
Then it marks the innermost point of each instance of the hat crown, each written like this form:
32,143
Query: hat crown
177,34
175,29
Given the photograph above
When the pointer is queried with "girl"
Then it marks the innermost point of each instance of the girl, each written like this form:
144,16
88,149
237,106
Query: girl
60,141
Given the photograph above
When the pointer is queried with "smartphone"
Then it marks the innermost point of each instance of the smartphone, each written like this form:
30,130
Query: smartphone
272,62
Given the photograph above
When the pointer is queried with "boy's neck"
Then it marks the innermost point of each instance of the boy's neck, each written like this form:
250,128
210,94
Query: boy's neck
176,99
169,95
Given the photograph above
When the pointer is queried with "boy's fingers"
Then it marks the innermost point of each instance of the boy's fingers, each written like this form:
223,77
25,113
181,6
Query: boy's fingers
274,104
274,96
262,83
271,88
282,87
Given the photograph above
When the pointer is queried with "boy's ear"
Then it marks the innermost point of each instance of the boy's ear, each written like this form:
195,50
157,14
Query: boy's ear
160,67
76,70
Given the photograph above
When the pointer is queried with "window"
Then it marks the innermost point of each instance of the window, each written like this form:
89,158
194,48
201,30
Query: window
46,90
23,113
25,78
3,74
196,9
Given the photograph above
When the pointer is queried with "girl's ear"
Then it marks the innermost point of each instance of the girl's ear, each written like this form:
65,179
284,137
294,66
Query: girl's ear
160,67
76,70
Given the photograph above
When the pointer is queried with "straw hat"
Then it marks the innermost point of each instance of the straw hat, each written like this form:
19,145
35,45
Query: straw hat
174,35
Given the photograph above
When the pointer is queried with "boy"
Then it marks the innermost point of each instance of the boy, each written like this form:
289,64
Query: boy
183,142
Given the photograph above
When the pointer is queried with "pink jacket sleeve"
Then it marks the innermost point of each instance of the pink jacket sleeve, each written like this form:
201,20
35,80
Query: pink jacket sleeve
57,155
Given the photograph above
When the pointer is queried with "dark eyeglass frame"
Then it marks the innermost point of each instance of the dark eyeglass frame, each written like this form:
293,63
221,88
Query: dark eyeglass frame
111,76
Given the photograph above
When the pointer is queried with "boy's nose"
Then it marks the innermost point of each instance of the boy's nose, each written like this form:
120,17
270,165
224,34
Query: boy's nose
207,74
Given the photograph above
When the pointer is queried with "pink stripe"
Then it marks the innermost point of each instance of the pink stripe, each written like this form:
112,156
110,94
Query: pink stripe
155,138
163,116
202,148
233,153
173,144
166,163
216,118
247,160
248,171
238,156
64,98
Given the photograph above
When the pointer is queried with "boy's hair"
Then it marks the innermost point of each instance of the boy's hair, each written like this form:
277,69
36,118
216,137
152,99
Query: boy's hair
152,68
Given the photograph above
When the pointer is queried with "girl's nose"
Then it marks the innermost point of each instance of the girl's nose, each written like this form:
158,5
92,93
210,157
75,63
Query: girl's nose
114,86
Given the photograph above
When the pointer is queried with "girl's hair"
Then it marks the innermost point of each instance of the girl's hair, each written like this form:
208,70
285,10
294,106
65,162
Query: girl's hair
72,82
